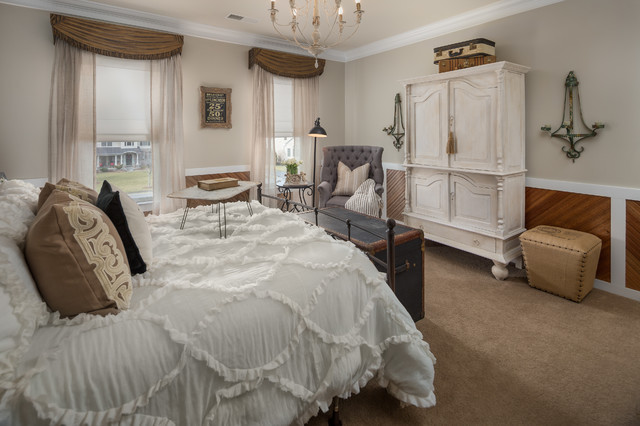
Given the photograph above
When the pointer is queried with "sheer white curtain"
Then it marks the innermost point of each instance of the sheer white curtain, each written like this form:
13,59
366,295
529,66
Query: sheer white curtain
263,160
305,111
167,137
72,115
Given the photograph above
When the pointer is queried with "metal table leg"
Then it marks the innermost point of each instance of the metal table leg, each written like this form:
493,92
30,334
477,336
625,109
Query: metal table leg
184,217
219,222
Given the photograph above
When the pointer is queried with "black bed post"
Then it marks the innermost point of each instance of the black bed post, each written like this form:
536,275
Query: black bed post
334,420
391,255
260,192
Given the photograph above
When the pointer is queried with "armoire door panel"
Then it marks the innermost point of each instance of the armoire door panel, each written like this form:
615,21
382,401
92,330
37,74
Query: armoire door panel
430,195
473,204
429,130
474,125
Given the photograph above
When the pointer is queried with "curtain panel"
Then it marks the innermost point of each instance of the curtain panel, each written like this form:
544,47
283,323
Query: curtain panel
72,120
167,136
263,159
306,93
115,40
285,64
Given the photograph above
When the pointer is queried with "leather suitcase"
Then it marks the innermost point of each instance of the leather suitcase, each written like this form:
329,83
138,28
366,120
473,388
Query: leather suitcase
465,49
409,251
458,64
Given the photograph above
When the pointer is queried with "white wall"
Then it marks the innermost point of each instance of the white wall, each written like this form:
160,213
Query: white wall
26,49
26,52
596,39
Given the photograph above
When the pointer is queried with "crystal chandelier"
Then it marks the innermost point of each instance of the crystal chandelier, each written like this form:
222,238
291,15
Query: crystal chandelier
313,33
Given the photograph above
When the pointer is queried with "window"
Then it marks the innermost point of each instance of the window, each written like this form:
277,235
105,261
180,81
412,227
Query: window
123,109
283,112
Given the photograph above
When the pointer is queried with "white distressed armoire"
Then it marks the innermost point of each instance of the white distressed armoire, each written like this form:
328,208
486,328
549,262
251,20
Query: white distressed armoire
471,198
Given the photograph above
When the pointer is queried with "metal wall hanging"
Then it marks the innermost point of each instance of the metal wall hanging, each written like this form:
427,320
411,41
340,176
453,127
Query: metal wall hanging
571,85
397,129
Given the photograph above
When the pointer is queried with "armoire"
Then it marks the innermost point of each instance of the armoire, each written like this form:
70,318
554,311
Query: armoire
464,160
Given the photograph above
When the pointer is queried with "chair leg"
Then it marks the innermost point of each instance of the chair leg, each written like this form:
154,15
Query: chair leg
334,420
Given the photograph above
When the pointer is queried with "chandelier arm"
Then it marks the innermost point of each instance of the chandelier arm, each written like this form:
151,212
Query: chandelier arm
302,44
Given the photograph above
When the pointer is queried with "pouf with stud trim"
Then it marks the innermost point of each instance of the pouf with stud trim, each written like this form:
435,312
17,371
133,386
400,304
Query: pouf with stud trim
561,261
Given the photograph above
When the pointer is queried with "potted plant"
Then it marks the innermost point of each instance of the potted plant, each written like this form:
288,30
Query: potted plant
292,175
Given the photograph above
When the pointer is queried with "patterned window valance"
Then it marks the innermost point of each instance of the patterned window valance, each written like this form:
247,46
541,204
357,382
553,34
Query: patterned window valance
115,40
285,64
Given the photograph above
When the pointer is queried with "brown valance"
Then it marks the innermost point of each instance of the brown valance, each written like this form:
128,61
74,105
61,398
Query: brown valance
285,64
115,40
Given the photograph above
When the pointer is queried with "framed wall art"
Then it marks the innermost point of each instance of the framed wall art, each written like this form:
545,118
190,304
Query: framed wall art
215,107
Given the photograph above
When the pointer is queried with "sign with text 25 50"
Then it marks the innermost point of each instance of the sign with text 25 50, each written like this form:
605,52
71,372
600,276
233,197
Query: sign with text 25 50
215,107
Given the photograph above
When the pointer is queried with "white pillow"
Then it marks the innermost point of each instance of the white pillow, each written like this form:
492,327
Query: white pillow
17,262
365,199
350,180
18,203
9,325
138,225
21,307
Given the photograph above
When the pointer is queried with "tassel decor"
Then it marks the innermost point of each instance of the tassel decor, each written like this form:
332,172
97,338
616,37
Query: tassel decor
451,146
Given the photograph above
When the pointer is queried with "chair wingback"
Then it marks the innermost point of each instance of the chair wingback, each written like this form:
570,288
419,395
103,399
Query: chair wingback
352,156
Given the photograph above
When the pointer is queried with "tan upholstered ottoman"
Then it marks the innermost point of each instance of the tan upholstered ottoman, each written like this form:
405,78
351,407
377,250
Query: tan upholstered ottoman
561,261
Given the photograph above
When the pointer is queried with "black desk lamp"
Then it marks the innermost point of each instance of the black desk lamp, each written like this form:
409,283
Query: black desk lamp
316,132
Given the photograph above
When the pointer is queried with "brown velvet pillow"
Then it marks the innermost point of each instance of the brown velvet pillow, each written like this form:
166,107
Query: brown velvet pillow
77,258
73,188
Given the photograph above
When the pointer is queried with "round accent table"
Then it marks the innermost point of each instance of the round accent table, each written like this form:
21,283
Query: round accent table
289,189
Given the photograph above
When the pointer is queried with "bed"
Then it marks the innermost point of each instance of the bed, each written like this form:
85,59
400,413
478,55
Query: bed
266,326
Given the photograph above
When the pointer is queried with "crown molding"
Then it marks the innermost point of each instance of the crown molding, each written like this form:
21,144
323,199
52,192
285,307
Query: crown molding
119,15
491,12
124,16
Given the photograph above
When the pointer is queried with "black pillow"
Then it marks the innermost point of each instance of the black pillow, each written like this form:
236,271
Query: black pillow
109,202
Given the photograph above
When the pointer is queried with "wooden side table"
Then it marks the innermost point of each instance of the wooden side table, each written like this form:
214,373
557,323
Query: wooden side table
216,197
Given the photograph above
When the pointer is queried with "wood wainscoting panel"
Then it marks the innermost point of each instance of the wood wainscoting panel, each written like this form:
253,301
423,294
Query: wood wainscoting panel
193,181
395,193
632,273
586,213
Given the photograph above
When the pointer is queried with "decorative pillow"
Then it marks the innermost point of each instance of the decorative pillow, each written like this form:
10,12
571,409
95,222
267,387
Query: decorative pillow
365,200
109,202
137,225
73,188
349,180
77,258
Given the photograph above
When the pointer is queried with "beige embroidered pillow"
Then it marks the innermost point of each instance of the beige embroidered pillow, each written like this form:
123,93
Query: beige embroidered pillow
77,258
66,185
365,200
349,180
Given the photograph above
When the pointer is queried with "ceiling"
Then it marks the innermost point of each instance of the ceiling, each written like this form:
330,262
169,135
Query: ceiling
379,21
385,24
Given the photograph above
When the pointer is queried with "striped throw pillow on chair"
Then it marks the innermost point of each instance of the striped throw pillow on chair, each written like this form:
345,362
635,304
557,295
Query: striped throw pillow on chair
365,200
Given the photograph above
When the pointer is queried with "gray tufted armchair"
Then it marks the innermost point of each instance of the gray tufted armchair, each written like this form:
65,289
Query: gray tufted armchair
353,156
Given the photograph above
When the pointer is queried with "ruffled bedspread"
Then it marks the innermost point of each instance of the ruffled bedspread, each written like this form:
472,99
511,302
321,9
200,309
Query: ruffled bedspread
263,327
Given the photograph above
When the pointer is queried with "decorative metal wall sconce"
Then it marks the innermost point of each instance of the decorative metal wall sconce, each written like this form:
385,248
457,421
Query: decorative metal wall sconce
397,129
571,84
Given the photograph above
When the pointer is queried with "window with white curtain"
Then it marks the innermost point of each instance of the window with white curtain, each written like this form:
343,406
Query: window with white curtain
283,117
123,126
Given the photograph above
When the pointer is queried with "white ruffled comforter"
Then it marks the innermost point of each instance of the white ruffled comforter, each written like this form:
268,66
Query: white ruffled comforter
264,327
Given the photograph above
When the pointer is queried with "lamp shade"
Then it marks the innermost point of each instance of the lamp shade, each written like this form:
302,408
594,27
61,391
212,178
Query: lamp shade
317,130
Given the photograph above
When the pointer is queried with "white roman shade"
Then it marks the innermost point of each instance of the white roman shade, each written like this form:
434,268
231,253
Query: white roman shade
122,99
283,106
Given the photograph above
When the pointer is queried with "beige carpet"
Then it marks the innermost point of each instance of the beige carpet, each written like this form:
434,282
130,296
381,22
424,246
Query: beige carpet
512,355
